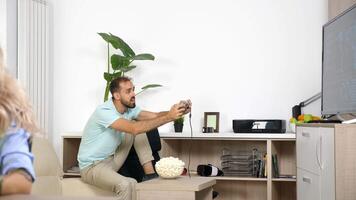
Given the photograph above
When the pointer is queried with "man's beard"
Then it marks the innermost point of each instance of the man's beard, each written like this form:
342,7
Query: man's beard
128,104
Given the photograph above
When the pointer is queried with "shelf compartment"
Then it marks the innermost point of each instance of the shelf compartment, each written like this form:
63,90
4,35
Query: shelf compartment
284,190
241,190
206,151
70,152
286,158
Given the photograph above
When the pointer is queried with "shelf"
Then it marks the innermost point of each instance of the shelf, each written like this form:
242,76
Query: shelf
284,179
227,178
71,174
72,135
210,136
229,136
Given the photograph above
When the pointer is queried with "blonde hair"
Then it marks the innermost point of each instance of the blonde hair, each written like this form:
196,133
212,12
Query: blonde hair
14,105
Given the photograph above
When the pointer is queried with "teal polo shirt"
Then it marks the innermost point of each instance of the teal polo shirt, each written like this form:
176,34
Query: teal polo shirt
99,141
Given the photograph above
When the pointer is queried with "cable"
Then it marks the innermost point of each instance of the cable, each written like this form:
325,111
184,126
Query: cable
190,142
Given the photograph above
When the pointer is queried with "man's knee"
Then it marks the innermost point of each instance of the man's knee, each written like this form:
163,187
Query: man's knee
126,186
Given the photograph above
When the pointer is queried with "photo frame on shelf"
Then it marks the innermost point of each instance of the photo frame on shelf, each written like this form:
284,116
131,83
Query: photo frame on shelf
211,119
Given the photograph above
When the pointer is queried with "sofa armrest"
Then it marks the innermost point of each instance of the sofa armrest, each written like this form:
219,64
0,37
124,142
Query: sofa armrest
46,162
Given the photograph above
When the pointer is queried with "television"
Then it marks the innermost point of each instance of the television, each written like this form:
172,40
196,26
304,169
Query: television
339,64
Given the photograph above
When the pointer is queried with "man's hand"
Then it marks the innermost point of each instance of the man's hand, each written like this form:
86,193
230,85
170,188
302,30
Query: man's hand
187,105
176,112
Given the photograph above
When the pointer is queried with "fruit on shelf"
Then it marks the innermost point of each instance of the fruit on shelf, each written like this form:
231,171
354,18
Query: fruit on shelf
304,118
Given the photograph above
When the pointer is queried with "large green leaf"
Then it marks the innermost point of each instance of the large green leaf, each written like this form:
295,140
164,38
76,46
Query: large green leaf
107,76
151,86
147,87
118,43
105,36
128,68
144,56
116,75
118,62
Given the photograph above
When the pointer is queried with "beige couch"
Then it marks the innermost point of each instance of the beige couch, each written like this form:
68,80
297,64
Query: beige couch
49,175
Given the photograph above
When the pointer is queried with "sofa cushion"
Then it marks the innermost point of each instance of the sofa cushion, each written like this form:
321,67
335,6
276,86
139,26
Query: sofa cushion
47,185
76,187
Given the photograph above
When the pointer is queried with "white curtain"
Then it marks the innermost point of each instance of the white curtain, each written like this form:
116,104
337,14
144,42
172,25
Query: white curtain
33,54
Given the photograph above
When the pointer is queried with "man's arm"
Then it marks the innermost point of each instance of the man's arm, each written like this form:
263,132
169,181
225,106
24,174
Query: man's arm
138,127
147,115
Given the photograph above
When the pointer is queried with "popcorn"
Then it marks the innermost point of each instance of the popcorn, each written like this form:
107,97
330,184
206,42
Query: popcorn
169,167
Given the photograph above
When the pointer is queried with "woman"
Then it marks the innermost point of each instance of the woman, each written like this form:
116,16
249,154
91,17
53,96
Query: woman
16,125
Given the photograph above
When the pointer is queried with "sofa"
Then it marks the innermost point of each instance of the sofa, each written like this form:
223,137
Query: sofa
49,175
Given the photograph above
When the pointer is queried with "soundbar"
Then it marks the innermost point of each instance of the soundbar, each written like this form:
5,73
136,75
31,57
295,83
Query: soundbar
259,126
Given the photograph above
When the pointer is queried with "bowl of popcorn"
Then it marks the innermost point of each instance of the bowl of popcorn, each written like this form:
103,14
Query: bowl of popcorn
169,167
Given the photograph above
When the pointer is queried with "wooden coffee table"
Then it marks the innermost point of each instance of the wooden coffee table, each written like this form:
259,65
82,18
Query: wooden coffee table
181,188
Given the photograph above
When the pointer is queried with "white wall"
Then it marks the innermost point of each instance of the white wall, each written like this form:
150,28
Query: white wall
3,23
244,59
8,34
11,37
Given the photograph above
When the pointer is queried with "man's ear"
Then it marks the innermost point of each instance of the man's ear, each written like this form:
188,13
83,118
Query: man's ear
116,96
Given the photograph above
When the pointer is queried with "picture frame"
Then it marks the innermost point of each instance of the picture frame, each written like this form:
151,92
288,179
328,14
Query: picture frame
211,119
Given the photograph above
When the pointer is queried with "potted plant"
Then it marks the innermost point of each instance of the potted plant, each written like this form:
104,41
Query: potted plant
118,65
178,124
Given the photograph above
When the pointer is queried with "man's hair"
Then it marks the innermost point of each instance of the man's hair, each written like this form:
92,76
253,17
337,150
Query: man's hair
115,84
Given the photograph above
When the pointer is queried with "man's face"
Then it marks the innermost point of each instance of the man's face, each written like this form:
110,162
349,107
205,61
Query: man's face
127,94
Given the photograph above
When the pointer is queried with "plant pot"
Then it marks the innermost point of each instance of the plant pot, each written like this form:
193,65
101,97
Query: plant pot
178,128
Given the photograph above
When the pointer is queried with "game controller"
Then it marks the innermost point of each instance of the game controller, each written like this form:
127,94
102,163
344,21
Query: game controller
185,104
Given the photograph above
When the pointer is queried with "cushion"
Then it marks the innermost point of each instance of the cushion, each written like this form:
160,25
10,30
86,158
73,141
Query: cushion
76,187
47,185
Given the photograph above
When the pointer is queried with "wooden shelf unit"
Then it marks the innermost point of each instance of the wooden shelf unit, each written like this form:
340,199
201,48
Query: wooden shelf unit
207,150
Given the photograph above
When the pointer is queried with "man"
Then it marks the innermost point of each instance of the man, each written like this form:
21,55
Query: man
110,133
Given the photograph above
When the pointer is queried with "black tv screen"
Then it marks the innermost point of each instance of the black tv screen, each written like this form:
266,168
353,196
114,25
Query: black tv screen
339,64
